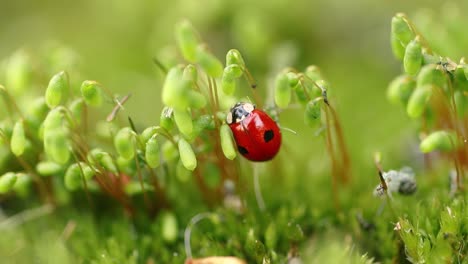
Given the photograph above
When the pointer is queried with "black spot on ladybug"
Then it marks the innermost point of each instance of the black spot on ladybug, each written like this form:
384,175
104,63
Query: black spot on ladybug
268,135
242,150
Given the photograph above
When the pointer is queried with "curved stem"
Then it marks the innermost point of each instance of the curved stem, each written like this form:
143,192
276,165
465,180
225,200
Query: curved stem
188,231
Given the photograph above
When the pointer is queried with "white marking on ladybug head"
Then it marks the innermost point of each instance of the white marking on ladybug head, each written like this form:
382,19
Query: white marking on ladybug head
240,119
229,118
248,107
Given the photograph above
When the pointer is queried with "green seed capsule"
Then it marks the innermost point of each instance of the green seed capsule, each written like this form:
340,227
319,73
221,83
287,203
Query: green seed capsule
183,120
48,168
175,89
18,139
197,100
18,73
293,79
312,113
126,166
301,93
282,90
38,109
92,93
73,175
431,74
401,29
233,71
400,89
227,143
169,151
166,121
397,48
123,143
439,140
169,227
418,101
53,120
148,133
23,184
187,40
187,156
134,187
57,89
182,174
152,153
209,63
101,159
7,181
233,56
228,85
191,73
77,110
56,145
313,73
413,58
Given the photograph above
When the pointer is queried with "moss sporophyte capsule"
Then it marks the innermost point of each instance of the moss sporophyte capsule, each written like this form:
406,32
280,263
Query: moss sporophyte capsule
57,89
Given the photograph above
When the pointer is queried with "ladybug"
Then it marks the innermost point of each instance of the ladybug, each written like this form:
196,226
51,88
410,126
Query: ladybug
257,136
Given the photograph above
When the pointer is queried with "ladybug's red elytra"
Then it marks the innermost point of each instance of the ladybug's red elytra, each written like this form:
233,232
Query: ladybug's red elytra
257,136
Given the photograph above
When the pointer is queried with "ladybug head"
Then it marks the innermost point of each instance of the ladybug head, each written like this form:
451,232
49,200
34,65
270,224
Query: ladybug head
238,112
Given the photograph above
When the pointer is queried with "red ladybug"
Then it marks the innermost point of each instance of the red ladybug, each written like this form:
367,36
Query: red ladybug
257,136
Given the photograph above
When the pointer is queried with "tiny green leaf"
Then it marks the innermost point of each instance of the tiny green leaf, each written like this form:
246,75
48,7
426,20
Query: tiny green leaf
431,74
413,57
191,73
123,143
397,48
183,120
187,40
209,63
233,56
418,101
282,90
22,184
228,84
48,168
439,140
73,175
57,89
56,145
18,139
187,156
169,227
175,89
227,143
77,110
7,181
92,93
401,29
152,152
313,73
18,72
400,89
312,113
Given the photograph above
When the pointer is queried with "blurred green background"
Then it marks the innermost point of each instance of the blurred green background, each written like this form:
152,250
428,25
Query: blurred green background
349,40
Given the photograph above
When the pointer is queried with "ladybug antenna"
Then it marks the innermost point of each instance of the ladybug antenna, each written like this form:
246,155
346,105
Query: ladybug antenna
288,129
